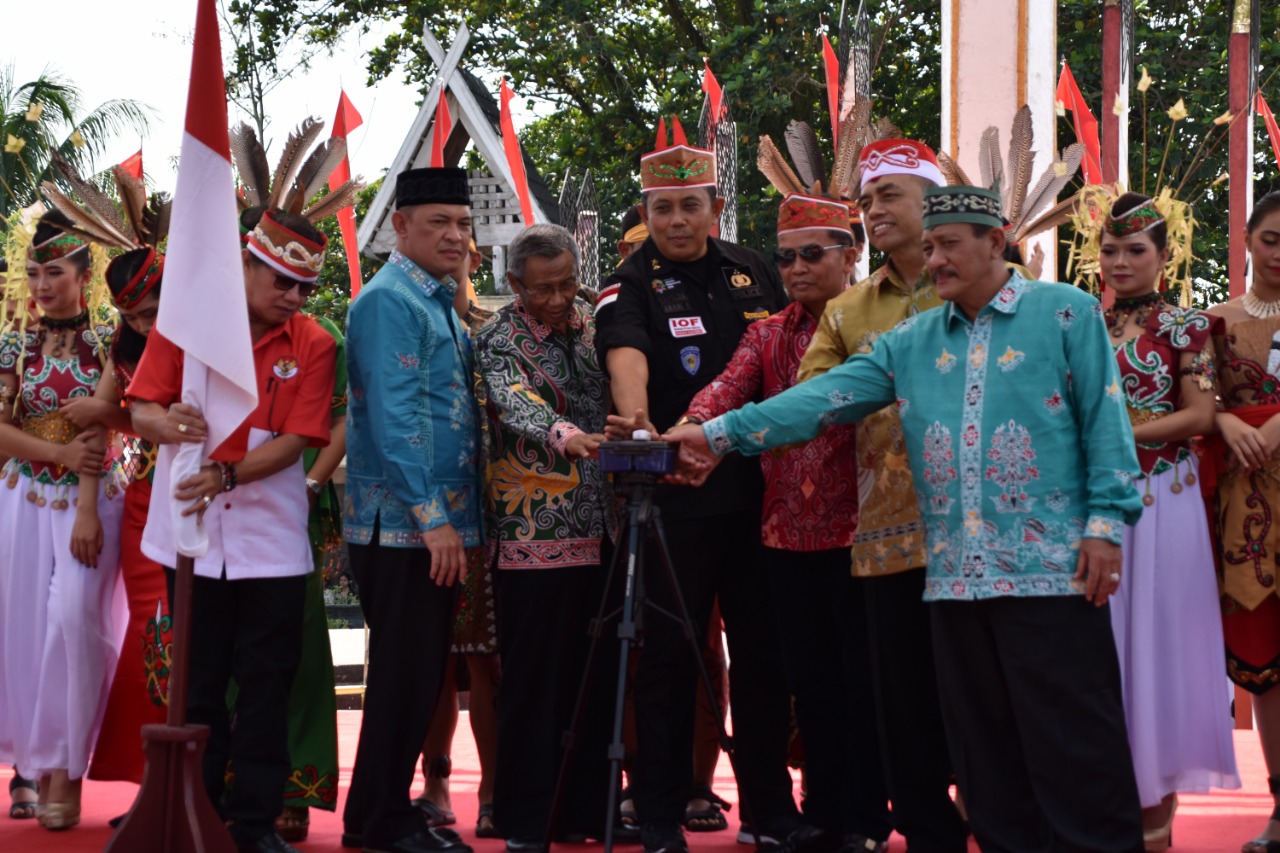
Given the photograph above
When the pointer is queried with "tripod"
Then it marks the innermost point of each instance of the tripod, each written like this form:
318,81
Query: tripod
642,520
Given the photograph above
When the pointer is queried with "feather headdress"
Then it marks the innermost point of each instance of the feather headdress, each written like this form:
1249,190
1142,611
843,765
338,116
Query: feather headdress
1029,207
298,177
126,222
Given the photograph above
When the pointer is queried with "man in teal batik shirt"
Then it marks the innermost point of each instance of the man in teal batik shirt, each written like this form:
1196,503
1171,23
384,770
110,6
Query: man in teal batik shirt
1024,459
412,500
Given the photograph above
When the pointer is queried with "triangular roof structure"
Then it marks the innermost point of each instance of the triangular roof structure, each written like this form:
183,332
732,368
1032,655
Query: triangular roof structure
475,114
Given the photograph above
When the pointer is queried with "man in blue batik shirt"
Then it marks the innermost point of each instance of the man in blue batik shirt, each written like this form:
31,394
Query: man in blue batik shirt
1024,459
412,498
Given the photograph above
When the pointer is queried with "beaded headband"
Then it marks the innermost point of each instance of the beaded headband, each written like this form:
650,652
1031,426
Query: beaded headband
1134,221
143,282
285,251
57,248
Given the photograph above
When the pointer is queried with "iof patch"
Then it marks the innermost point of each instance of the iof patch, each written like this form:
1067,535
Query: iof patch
691,358
286,367
686,327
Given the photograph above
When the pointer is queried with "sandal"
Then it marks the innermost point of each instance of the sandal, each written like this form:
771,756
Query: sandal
485,827
21,809
439,767
709,818
627,810
293,823
1266,845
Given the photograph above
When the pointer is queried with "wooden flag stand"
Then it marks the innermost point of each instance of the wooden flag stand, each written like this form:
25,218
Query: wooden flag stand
172,811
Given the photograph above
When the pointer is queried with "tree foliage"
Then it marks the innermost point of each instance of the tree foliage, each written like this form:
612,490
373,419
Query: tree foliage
47,115
600,72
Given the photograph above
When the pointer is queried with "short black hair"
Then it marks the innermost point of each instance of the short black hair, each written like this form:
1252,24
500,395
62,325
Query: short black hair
630,219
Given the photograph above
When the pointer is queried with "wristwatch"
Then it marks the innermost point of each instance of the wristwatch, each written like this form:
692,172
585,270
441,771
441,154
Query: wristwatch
314,486
688,420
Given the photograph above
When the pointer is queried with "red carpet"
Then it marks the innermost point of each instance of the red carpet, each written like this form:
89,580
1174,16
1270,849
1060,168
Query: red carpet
1205,824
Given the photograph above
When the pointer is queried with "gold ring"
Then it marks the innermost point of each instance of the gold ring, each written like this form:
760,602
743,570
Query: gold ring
182,427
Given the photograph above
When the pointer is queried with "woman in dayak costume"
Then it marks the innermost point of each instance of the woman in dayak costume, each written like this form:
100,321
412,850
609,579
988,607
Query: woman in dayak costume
313,733
59,544
1164,615
139,691
1244,494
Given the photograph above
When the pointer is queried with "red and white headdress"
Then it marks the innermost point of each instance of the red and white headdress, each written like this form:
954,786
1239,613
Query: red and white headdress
677,165
285,251
899,157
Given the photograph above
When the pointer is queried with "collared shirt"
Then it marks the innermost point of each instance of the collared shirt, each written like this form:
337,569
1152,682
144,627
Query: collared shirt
890,536
412,426
810,491
259,529
1015,427
544,509
687,318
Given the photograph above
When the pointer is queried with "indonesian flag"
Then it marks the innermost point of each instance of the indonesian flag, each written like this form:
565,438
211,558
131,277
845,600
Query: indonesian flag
1070,98
346,121
515,157
204,312
1273,132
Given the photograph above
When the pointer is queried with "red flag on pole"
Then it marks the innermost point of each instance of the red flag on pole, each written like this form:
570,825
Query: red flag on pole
515,157
204,312
440,132
347,120
133,165
1069,96
711,87
831,66
1272,130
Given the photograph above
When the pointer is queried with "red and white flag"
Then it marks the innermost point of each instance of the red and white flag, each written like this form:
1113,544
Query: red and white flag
346,121
1273,132
203,311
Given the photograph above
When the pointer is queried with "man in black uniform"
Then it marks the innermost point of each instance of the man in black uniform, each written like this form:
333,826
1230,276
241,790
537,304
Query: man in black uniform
667,322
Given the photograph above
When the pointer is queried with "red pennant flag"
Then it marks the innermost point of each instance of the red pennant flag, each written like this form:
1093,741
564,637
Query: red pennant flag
1069,96
133,165
515,157
347,120
831,66
440,133
204,312
711,87
1272,130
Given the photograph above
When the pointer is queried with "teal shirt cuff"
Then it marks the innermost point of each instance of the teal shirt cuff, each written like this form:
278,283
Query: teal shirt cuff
716,431
1106,527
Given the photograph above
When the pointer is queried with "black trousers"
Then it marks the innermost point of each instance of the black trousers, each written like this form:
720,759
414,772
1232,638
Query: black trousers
543,620
249,630
715,556
1031,698
828,664
410,622
913,741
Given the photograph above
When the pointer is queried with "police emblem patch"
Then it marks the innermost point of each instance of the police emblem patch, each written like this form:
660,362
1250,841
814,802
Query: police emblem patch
691,358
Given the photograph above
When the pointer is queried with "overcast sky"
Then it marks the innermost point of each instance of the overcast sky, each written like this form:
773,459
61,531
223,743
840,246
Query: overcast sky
141,49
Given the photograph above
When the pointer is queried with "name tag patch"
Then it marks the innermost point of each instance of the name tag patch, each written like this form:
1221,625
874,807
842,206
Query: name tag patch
686,327
755,315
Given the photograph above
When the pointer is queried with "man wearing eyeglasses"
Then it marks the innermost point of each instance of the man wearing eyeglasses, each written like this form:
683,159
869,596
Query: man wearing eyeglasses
888,554
412,502
808,520
668,320
252,498
548,514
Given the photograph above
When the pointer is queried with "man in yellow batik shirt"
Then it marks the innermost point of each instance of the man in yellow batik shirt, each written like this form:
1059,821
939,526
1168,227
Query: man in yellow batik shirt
889,548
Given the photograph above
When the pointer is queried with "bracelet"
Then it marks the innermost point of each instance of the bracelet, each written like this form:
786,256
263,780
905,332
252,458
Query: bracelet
314,486
688,420
228,475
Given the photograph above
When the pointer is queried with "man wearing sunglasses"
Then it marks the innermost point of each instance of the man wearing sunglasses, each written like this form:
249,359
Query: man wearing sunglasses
668,320
248,623
808,520
888,554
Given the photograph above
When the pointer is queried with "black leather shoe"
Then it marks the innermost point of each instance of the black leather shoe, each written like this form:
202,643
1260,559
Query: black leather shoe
426,841
525,845
269,843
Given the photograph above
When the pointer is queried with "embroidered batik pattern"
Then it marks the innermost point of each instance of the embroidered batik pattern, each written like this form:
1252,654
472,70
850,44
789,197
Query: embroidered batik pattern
939,467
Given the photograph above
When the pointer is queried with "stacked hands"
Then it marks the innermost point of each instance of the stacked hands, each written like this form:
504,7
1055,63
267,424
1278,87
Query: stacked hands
85,454
1097,568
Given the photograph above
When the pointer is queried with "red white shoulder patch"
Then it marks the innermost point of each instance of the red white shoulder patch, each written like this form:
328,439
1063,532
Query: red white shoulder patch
608,295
